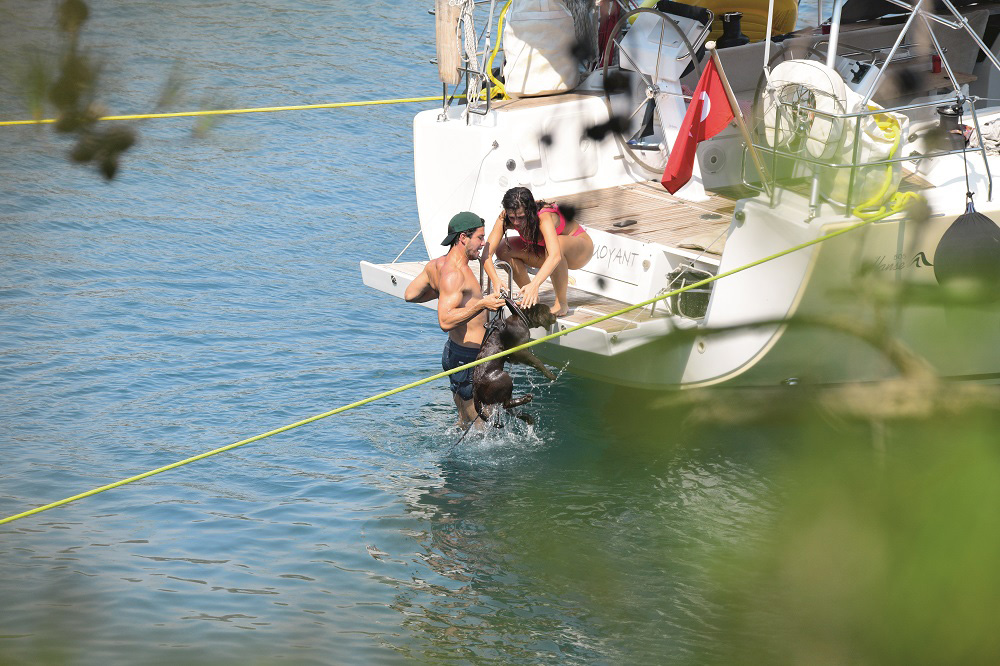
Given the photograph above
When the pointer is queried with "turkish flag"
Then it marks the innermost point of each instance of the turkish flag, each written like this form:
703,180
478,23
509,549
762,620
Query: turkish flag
708,114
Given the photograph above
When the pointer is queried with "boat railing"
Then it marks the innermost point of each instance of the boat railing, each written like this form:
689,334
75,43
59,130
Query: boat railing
775,156
804,115
486,284
877,56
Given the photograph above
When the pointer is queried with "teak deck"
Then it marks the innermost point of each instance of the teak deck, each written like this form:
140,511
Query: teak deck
659,216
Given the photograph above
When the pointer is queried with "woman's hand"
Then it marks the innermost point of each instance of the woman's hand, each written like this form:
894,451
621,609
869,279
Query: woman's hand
529,295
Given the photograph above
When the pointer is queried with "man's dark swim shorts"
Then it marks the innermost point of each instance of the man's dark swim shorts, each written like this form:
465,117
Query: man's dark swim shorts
455,355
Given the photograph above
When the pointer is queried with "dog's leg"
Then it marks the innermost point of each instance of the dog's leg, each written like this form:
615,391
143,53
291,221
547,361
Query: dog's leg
486,413
493,389
481,408
511,403
527,358
527,418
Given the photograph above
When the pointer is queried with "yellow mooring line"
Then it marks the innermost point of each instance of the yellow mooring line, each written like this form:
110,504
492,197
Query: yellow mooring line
440,375
223,112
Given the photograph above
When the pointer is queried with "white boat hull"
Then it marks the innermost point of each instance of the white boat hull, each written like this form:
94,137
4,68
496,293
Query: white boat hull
850,281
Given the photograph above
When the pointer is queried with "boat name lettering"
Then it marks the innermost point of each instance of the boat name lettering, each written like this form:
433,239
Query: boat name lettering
614,255
898,262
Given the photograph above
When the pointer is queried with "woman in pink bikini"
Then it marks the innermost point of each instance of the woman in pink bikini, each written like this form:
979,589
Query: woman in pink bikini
545,240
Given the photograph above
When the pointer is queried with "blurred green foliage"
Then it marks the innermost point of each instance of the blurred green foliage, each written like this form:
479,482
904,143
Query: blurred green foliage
882,550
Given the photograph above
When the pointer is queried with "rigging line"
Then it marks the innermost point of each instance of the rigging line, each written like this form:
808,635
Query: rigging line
407,245
222,112
446,373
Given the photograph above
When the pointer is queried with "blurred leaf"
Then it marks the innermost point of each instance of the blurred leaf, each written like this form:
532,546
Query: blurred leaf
35,81
172,87
874,556
205,124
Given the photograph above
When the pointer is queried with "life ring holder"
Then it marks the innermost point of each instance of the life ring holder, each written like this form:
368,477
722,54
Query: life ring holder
809,84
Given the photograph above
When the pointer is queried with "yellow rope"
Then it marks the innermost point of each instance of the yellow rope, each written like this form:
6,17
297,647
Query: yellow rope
440,375
891,129
489,65
222,112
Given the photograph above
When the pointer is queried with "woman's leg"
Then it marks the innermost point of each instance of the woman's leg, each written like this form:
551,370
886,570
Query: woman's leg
577,249
576,252
560,284
514,251
519,255
522,256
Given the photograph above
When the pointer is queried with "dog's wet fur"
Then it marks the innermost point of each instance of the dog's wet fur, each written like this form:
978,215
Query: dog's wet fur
492,386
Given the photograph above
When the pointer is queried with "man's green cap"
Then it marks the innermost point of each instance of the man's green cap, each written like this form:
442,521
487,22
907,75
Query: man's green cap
464,221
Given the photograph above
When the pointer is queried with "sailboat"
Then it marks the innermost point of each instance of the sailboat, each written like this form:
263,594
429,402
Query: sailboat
851,199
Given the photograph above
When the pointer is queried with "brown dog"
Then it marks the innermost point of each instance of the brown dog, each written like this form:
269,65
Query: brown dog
491,384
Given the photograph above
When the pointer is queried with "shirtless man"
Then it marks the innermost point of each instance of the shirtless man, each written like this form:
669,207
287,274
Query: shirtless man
461,304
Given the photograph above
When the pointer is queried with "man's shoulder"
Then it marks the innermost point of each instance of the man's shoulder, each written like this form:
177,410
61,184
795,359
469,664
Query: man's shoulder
433,267
454,276
450,274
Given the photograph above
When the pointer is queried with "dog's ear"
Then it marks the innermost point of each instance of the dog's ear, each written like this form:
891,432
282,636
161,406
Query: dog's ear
540,316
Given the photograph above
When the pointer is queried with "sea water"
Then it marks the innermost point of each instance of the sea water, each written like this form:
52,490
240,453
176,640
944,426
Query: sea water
212,292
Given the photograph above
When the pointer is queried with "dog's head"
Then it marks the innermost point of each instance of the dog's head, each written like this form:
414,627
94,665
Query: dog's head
539,316
516,333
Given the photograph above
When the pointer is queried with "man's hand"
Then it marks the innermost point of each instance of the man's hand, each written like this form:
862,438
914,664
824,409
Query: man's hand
492,302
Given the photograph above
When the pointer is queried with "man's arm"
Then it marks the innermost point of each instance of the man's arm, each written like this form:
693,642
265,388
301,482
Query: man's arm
420,290
451,314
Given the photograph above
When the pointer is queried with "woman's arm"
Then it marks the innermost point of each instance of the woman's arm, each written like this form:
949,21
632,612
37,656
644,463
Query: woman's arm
553,255
493,242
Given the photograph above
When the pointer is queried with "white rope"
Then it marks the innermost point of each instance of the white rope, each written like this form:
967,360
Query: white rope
767,42
470,45
407,246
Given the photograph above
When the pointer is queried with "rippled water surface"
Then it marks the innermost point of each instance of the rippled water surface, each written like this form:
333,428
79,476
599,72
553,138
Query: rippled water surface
211,293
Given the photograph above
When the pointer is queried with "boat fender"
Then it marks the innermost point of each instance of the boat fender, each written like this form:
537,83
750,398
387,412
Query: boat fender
811,84
969,251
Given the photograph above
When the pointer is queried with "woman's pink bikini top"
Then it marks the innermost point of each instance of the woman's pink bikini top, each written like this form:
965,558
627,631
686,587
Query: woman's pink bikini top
559,228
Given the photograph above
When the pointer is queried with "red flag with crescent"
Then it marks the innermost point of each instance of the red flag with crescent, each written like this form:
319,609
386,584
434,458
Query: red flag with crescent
708,114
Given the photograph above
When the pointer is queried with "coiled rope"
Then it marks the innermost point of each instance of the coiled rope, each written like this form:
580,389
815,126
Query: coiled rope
441,375
879,203
223,112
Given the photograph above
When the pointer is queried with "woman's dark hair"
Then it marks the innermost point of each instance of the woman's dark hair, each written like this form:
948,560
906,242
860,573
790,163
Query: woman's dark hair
517,198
